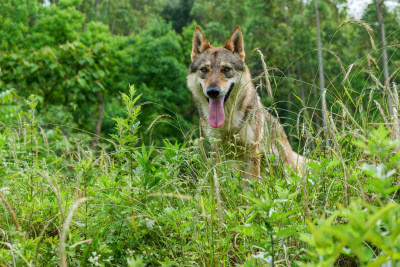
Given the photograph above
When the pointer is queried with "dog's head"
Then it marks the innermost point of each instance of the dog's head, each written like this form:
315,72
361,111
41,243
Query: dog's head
217,70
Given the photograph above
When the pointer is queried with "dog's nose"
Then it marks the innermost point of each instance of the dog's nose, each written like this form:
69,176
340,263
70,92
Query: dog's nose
213,92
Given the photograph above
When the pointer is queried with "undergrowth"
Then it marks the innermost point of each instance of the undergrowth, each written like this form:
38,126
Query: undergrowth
65,203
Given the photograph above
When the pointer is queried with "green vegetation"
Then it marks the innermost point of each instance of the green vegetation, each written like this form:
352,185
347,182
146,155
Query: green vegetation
95,172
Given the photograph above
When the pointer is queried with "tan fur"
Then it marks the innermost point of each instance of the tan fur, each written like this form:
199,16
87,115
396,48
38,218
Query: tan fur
247,123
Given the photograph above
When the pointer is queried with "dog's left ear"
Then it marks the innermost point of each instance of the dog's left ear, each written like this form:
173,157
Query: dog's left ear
235,43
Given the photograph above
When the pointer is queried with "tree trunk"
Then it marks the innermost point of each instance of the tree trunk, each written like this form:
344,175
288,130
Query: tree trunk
106,12
313,99
96,3
321,74
114,16
66,100
97,131
381,27
290,70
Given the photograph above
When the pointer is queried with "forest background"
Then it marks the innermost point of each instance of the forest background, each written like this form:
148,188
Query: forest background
77,56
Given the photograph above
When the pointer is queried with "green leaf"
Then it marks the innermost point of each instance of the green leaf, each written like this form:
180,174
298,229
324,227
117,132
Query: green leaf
81,82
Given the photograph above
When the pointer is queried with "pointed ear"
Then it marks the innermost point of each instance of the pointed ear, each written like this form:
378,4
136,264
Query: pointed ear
200,43
235,43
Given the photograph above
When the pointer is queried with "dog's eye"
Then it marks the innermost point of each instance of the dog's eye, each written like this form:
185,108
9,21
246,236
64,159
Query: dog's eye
226,69
203,69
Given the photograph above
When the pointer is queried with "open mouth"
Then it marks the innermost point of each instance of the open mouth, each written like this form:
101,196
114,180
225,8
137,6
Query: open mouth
216,114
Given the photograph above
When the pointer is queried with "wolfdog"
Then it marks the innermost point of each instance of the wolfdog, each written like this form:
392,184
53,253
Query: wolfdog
229,106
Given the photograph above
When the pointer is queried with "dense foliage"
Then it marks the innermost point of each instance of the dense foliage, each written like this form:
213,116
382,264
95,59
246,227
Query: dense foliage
95,174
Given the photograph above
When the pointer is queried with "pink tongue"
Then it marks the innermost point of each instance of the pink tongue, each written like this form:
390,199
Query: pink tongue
216,116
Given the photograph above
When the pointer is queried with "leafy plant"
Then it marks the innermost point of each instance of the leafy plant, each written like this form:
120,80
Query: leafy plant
368,232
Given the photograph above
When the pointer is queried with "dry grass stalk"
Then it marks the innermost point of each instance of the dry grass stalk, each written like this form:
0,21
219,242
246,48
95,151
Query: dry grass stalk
363,117
77,185
298,133
199,199
81,242
180,196
396,107
343,120
395,93
64,230
371,74
381,111
156,120
334,131
325,116
370,98
396,131
56,193
269,88
11,251
13,145
372,61
216,184
387,82
346,77
351,117
11,211
366,26
45,141
338,59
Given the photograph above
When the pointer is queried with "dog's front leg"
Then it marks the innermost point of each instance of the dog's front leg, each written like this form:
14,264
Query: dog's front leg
252,160
255,162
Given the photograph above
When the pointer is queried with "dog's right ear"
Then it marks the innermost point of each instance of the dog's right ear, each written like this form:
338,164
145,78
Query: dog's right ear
235,42
200,43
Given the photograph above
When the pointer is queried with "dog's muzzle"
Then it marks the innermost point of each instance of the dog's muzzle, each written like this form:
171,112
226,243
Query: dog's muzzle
214,92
